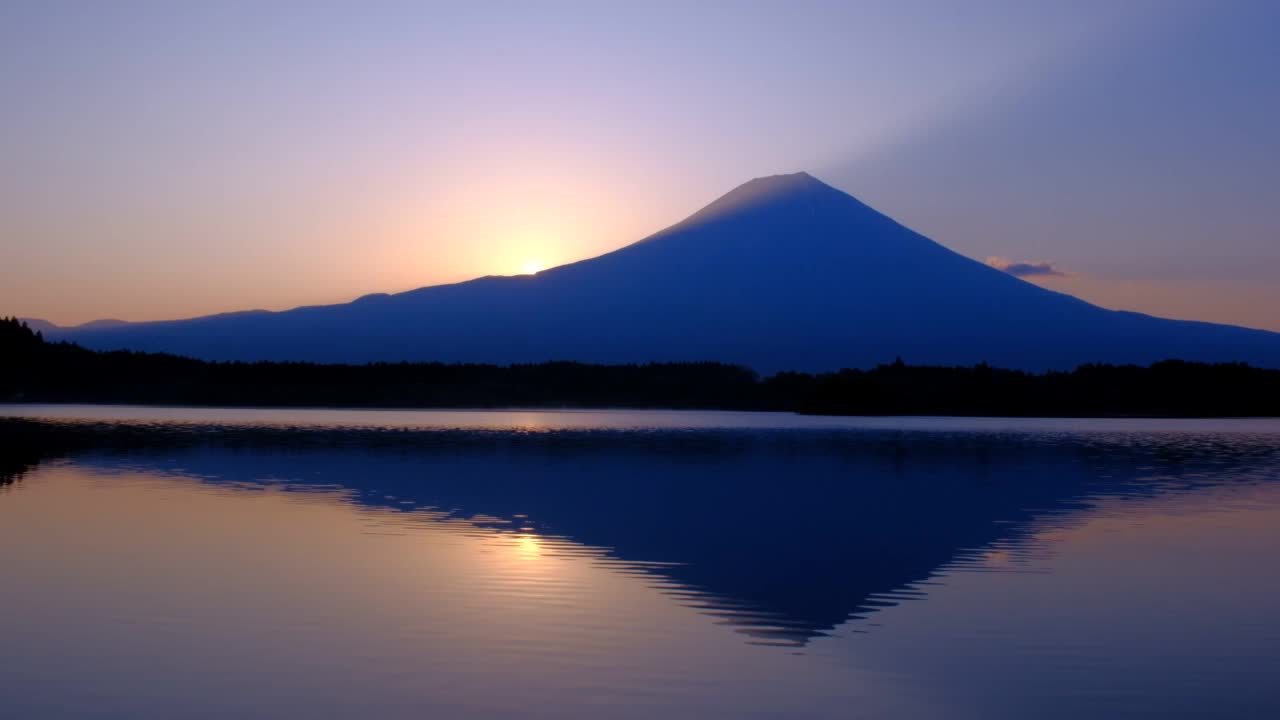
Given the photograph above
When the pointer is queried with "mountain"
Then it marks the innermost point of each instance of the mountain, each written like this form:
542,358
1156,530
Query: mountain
46,327
783,272
42,326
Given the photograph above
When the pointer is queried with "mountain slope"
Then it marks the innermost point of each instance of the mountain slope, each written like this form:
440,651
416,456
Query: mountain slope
783,272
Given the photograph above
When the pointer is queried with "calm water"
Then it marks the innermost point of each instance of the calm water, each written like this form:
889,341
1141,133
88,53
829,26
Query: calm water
197,563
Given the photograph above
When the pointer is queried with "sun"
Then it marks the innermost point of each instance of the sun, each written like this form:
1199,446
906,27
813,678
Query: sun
533,267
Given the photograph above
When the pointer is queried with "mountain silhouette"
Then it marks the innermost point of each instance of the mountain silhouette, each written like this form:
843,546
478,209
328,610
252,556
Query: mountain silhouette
783,272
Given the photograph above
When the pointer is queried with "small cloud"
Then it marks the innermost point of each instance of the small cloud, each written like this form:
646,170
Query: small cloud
1025,269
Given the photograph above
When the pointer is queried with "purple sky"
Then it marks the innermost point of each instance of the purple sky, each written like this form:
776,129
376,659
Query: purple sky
171,159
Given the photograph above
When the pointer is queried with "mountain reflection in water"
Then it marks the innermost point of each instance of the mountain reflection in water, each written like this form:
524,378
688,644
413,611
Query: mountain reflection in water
784,535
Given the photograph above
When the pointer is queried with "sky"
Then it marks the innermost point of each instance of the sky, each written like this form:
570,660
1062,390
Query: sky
165,160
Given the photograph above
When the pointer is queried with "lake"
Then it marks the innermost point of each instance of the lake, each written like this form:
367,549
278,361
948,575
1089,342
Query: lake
215,563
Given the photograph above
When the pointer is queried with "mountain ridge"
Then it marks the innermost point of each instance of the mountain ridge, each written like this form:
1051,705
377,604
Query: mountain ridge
782,272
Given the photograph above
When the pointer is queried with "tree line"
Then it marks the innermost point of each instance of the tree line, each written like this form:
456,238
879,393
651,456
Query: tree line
35,370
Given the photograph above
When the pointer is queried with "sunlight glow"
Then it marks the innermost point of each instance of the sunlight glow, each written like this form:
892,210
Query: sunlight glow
528,547
533,267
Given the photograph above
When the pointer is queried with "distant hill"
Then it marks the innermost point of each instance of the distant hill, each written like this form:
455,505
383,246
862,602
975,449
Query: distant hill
783,272
43,326
46,327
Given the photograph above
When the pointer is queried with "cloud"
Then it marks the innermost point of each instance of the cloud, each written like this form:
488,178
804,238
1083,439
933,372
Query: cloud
1022,268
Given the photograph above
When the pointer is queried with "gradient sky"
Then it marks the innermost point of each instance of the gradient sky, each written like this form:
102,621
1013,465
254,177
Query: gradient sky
165,159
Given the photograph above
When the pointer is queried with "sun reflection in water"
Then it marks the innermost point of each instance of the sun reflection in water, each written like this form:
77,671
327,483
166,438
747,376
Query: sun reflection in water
528,547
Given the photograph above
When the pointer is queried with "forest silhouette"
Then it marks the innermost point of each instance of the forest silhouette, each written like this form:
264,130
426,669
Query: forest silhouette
35,370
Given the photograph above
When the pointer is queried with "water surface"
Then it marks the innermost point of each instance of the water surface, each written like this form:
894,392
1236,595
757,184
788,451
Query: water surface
205,563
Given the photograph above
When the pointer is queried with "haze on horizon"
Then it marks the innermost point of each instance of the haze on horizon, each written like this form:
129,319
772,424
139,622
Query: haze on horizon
167,161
